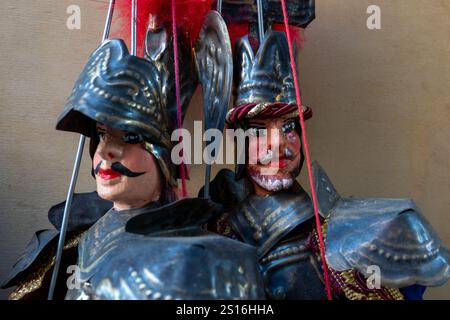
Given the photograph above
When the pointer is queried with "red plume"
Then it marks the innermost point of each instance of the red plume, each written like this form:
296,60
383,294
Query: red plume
190,17
236,31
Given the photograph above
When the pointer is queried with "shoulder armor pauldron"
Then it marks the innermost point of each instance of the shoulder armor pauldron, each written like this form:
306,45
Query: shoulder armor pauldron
389,233
194,268
164,254
37,244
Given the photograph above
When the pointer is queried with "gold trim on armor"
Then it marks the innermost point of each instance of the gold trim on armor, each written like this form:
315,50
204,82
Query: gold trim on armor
162,164
41,266
349,282
260,107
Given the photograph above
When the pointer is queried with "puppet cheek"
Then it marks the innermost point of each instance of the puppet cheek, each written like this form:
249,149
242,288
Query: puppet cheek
293,140
293,137
97,159
253,150
137,159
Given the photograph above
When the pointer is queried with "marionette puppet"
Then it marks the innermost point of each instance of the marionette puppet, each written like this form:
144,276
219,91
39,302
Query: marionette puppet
266,207
146,245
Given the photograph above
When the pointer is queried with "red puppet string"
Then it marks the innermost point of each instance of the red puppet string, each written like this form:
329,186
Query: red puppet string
178,96
190,17
308,160
189,20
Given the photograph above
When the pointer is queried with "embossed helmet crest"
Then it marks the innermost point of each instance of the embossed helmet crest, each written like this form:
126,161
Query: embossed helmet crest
121,91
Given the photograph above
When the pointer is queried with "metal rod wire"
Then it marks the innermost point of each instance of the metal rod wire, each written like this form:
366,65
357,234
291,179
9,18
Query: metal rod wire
62,234
133,26
260,20
73,180
107,29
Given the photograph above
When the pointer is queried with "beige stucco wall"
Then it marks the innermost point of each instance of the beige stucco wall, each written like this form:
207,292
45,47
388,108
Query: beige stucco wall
381,100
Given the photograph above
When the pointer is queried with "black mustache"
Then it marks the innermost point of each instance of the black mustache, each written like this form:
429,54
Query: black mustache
120,168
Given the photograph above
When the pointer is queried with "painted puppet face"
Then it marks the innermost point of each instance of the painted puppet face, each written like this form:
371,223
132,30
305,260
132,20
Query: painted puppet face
274,154
125,172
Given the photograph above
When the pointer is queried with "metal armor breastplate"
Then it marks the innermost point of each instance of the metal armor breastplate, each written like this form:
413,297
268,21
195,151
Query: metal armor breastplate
264,221
291,270
167,256
279,226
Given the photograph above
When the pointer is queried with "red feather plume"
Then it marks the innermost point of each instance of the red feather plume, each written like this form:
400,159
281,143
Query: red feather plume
190,17
238,30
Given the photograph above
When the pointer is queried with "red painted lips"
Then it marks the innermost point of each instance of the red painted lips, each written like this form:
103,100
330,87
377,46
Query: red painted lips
281,163
108,174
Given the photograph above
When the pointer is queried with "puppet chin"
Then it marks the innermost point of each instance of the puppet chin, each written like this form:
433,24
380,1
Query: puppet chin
272,183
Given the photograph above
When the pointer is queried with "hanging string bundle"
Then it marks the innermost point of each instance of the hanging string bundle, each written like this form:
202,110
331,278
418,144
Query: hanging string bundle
180,15
191,18
178,94
307,155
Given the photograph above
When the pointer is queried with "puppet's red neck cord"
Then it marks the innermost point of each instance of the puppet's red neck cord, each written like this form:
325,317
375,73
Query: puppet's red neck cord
308,160
178,96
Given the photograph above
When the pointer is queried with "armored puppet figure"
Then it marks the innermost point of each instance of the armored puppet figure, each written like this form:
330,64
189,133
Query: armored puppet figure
147,246
266,207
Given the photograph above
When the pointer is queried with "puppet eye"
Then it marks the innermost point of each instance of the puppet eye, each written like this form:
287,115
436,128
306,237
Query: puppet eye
101,134
288,127
132,138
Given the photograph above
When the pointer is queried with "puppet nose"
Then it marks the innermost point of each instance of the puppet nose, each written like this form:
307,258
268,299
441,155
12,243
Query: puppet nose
277,141
109,150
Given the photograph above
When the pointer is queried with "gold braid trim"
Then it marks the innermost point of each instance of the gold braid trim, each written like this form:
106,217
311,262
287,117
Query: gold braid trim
41,266
347,282
352,294
292,115
260,107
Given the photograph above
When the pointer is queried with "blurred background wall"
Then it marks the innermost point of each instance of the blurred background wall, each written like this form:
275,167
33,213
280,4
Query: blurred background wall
381,101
